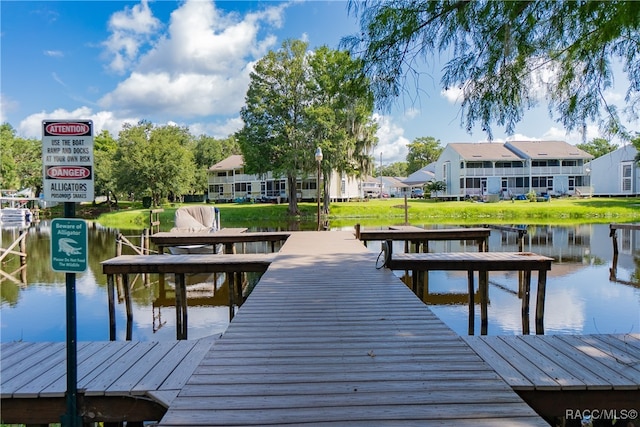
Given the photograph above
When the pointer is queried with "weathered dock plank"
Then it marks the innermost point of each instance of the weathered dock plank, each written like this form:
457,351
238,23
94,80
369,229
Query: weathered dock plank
326,338
589,371
117,381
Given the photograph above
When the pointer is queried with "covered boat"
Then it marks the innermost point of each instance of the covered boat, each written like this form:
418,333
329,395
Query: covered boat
196,219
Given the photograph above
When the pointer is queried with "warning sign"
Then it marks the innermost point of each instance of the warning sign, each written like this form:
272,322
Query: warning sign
67,159
69,243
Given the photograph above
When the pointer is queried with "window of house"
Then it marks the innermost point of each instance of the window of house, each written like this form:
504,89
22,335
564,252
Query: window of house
626,177
222,174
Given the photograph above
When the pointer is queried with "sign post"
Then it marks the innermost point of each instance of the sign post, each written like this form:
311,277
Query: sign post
67,159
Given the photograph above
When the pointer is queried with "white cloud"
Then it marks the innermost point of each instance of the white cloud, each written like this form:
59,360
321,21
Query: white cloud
412,113
6,105
31,127
200,67
130,29
391,141
54,53
218,129
453,95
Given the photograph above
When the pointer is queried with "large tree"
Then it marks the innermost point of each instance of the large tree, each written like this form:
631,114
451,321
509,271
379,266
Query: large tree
104,150
500,52
154,161
20,161
597,147
299,100
340,115
422,151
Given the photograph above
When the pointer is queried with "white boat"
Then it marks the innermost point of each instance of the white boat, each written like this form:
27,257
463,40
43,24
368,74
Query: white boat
196,219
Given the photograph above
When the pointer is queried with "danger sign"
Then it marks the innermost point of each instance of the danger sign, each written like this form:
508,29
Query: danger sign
67,159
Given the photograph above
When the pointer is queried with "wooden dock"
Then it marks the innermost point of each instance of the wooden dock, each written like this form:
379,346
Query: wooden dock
420,237
226,236
179,265
554,373
326,338
117,381
482,262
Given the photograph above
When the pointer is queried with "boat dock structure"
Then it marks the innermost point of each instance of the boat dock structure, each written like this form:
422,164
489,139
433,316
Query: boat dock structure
326,337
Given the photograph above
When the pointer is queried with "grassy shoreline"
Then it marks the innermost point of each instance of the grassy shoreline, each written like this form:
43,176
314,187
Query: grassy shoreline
392,211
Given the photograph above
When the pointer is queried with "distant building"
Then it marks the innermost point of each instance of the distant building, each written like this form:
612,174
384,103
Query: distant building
227,181
616,173
421,177
508,169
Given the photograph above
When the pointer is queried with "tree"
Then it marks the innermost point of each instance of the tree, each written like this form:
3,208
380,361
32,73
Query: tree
636,143
298,101
500,52
422,151
20,161
154,161
435,187
104,150
397,169
340,115
597,147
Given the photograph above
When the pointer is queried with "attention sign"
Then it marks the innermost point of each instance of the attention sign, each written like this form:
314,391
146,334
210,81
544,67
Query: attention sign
67,159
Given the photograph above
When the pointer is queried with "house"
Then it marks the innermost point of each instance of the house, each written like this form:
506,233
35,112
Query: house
421,177
506,170
394,186
616,173
227,181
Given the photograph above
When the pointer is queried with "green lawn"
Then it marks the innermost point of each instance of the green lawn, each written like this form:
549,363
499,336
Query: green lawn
388,211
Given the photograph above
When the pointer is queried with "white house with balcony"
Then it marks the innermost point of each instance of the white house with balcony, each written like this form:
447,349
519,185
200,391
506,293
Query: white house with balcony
506,170
616,173
227,182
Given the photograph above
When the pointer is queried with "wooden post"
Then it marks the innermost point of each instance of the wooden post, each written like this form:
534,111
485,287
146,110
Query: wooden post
387,248
128,306
406,211
472,307
526,290
181,307
112,307
239,299
542,288
357,228
613,271
230,280
483,286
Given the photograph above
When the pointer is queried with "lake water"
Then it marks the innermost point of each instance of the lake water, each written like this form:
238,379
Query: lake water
581,296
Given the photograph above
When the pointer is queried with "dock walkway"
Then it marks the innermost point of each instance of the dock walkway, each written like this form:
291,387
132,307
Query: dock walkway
117,381
326,338
554,373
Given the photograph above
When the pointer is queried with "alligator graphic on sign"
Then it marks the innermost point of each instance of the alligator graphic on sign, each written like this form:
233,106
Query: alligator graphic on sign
66,245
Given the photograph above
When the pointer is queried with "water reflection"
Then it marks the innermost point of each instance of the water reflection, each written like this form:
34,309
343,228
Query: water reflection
580,296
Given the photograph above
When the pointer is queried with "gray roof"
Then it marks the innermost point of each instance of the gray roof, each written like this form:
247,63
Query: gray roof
232,162
548,150
484,151
421,176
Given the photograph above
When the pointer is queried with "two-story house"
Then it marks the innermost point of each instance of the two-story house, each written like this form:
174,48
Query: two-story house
227,181
509,169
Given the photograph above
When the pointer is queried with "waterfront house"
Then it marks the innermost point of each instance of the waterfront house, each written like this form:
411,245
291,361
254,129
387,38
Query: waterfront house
227,182
506,170
616,173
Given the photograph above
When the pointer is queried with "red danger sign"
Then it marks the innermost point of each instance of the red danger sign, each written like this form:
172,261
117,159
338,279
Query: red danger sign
67,129
68,172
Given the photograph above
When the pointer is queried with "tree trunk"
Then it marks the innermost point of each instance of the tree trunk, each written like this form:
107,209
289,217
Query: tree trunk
293,195
326,185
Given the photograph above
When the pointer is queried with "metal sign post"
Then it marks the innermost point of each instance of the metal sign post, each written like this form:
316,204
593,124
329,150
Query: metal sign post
67,159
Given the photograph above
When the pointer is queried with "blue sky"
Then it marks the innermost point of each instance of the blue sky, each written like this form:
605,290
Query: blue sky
188,63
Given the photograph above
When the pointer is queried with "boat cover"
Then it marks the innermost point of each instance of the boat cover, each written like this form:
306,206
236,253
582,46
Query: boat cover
195,218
